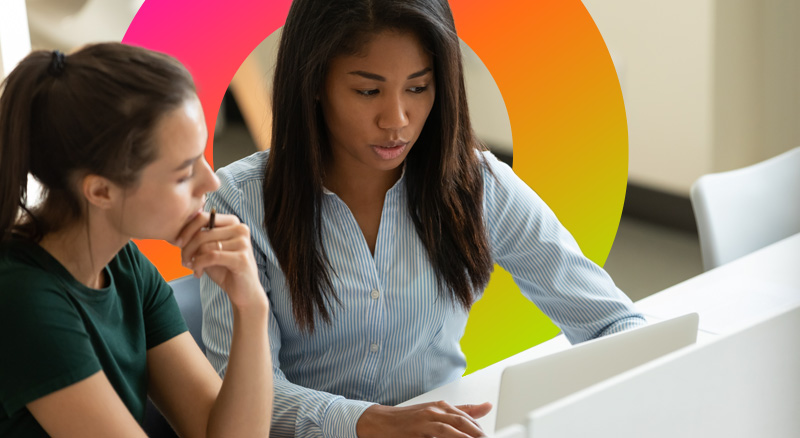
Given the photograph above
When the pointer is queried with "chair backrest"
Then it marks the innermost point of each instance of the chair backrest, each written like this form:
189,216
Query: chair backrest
740,211
187,294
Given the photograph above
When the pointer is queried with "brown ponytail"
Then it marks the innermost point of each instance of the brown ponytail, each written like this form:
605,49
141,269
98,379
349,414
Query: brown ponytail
93,111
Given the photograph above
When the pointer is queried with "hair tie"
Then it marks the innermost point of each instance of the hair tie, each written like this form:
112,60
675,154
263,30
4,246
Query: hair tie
57,63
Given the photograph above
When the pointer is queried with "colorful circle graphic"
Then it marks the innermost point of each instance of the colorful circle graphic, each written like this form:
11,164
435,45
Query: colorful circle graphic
560,89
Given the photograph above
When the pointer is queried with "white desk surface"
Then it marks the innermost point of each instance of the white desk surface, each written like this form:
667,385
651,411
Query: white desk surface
729,298
735,295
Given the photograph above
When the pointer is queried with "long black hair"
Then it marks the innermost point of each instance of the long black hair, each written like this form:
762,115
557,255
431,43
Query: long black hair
64,116
444,177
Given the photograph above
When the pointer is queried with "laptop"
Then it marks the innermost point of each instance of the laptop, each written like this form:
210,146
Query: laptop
533,384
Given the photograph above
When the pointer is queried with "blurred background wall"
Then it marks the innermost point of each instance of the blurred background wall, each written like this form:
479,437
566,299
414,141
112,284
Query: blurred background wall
708,86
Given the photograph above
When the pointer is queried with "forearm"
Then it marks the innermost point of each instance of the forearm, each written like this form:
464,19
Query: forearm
301,411
244,404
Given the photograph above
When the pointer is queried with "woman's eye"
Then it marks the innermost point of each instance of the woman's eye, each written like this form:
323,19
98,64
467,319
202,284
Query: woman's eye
367,92
186,178
418,90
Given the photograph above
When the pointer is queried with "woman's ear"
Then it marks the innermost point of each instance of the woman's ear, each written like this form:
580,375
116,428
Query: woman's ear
99,191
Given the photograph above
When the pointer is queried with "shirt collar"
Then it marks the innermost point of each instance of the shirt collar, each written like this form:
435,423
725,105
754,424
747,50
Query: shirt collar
325,190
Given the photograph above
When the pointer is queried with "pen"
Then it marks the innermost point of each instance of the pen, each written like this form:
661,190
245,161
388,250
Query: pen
211,218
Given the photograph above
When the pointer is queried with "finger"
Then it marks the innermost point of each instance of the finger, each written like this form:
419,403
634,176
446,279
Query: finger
448,408
200,222
214,245
444,430
191,228
476,411
233,244
238,243
444,412
205,241
207,260
462,423
232,256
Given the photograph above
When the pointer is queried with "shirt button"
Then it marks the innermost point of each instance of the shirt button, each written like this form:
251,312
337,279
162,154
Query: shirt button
374,348
375,294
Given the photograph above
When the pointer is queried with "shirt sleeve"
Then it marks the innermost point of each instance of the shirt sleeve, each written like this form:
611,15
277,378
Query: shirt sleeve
45,344
297,410
162,316
546,263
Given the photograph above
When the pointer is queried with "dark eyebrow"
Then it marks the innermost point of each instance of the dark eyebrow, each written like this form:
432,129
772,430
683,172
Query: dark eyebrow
376,77
187,163
419,73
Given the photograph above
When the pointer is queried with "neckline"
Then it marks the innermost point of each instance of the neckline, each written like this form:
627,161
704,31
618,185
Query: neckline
326,191
50,264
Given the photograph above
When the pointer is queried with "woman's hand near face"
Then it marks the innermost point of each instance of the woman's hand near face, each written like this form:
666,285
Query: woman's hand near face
438,419
243,406
225,254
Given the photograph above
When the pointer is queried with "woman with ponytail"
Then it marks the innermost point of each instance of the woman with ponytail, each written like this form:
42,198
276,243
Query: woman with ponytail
115,135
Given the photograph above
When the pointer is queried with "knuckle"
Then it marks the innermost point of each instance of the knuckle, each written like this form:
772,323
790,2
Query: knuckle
461,421
441,404
431,409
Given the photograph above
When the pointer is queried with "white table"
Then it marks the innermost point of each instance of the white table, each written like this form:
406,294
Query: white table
729,298
738,294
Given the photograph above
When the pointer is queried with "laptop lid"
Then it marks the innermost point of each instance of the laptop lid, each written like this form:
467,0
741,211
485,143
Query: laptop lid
530,385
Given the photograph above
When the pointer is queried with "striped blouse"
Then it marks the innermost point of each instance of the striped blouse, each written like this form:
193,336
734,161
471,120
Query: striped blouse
394,338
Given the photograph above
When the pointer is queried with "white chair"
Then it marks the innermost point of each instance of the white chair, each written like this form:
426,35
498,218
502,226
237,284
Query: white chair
742,210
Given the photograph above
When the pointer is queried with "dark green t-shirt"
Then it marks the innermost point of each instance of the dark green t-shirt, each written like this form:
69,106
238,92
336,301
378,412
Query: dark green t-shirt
54,331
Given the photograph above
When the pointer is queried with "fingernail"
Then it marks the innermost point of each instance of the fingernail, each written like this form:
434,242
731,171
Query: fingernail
179,243
188,265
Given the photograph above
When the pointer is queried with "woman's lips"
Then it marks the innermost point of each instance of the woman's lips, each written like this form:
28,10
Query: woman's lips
390,151
198,211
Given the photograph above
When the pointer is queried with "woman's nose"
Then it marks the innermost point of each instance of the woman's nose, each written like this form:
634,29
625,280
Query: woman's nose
210,181
394,115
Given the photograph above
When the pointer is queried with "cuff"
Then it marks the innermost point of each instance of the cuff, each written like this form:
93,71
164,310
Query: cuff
625,324
341,417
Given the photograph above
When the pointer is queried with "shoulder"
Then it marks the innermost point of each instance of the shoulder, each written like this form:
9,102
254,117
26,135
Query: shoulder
496,174
23,269
23,279
131,262
491,164
31,294
506,195
246,170
131,255
241,184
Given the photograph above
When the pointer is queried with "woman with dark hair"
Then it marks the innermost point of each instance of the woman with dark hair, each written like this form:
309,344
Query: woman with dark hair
377,217
116,134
